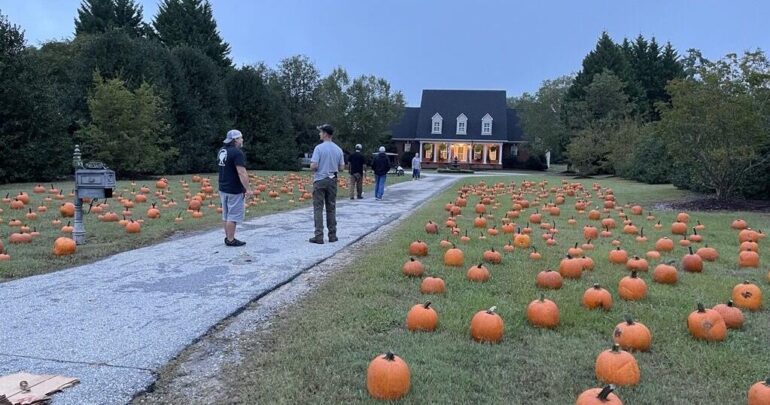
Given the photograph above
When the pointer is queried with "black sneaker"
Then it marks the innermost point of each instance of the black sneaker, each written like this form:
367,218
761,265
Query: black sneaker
319,241
234,242
333,238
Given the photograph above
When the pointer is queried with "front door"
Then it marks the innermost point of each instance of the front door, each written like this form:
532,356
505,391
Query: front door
460,150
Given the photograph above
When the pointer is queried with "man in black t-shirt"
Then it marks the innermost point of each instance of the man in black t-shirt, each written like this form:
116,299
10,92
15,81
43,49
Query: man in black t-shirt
356,173
233,184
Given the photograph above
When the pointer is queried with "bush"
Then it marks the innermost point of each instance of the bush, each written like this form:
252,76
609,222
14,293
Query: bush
649,162
406,159
532,163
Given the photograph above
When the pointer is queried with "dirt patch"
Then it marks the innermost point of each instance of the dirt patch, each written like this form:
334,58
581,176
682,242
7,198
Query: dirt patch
194,377
712,204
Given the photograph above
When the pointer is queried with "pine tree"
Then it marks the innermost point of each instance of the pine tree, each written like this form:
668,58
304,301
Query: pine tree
607,55
99,16
191,23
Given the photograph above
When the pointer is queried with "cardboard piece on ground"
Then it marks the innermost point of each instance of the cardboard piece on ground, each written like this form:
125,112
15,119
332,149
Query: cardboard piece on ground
39,387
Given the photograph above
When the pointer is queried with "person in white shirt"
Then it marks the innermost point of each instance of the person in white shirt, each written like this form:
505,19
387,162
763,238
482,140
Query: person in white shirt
416,167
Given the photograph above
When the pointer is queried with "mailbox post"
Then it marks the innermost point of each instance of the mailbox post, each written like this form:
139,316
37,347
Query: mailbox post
93,180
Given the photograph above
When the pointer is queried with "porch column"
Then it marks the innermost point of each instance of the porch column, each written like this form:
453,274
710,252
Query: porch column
469,154
499,153
435,152
420,151
484,154
449,152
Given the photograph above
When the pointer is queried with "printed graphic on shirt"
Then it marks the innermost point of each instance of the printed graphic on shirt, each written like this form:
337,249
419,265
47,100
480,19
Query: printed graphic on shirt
222,156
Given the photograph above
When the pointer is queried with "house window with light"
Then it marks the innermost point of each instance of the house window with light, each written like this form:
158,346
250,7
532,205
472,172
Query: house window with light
462,124
486,125
437,121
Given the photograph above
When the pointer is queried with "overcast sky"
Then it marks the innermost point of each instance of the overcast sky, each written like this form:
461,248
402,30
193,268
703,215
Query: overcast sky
445,44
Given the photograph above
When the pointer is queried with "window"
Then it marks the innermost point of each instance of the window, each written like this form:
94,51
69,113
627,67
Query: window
486,125
462,124
437,121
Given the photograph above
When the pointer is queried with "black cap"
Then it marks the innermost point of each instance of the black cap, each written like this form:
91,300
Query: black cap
326,128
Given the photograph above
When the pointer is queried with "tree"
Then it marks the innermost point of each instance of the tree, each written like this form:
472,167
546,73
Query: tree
606,56
541,117
373,109
127,130
297,79
191,23
716,125
100,16
259,114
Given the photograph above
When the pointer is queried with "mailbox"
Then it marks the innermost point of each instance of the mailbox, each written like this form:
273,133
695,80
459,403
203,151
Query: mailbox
94,181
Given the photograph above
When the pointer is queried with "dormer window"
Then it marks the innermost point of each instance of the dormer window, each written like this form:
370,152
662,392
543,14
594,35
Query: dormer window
437,123
486,125
462,124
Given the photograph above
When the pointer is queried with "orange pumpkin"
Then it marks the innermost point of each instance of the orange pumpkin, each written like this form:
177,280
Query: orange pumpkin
599,396
707,253
133,227
570,267
492,256
616,366
747,296
748,258
388,377
632,288
706,324
631,335
731,314
64,246
548,279
759,393
432,285
692,262
487,326
454,257
618,256
739,224
413,268
597,297
664,244
678,228
543,313
478,273
422,317
418,248
67,210
637,264
665,274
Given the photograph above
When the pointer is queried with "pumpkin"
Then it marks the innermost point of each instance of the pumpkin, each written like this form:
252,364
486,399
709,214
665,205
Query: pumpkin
152,212
739,224
692,262
454,257
616,366
67,228
683,217
632,288
759,393
575,251
418,248
588,245
431,227
748,258
747,234
695,238
480,222
133,227
521,240
599,396
608,223
665,274
630,229
432,285
631,335
641,238
731,314
535,218
749,245
548,279
706,324
570,267
478,273
64,246
67,210
664,244
543,313
707,253
678,228
445,243
597,297
508,248
487,326
388,377
422,317
492,256
653,255
637,264
747,296
413,268
618,256
535,255
594,215
588,263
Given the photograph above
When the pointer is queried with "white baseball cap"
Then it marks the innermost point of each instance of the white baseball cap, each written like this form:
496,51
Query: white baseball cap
358,146
382,149
232,134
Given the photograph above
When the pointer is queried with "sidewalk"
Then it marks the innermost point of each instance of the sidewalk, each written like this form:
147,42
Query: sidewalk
112,324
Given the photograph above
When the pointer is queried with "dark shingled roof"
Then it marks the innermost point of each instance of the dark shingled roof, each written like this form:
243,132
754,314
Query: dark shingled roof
416,123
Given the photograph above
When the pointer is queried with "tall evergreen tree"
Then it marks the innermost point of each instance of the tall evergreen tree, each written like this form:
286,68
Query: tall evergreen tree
606,56
191,23
298,80
99,16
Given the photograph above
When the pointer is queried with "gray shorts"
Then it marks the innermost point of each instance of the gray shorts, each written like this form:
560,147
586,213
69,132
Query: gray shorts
232,207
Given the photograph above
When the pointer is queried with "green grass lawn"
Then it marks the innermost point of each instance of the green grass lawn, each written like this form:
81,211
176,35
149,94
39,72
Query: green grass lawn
320,347
107,238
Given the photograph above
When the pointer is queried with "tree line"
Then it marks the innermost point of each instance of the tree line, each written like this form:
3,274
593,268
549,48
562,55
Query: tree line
643,112
158,98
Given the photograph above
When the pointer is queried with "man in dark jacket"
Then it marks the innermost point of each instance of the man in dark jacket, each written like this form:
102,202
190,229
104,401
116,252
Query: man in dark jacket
381,167
356,173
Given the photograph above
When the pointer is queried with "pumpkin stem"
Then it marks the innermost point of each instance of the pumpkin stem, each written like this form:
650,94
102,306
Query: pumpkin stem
641,232
426,305
730,303
492,310
597,286
576,245
542,297
701,308
628,319
605,392
390,356
615,348
690,248
634,274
